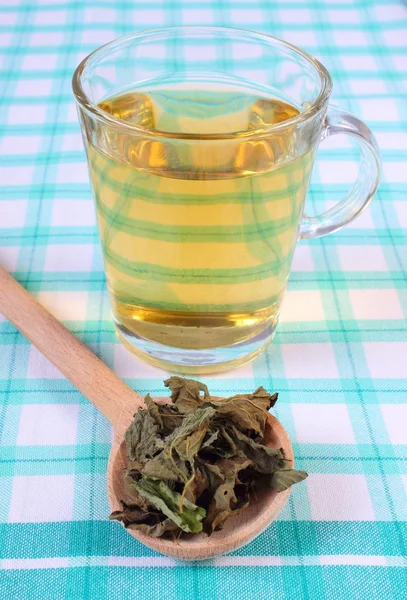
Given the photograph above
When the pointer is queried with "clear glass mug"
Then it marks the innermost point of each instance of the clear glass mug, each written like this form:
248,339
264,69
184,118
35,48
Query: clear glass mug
200,144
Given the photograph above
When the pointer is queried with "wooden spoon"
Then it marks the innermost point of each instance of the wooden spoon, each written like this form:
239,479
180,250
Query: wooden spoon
119,403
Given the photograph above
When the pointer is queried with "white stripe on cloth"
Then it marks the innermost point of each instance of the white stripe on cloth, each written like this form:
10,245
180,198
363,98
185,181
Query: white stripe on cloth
222,561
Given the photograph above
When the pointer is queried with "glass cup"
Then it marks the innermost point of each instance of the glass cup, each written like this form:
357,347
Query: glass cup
200,144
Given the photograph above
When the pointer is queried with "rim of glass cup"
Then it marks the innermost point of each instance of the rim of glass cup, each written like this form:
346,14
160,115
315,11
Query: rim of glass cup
94,110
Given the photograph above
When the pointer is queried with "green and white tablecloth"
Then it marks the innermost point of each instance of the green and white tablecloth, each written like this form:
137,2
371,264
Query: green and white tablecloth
339,359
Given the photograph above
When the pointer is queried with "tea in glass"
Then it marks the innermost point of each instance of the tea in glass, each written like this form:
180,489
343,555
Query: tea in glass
198,242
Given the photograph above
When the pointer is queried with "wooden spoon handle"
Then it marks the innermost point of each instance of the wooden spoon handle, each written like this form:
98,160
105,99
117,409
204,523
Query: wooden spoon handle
87,373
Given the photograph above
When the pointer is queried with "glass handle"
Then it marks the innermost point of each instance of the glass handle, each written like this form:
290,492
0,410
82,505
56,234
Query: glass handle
364,188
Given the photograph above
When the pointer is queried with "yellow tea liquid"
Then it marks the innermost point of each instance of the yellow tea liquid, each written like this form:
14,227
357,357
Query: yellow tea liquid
197,235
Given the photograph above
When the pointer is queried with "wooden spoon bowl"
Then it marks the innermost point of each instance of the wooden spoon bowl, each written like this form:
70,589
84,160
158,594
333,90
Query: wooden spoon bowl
119,403
237,531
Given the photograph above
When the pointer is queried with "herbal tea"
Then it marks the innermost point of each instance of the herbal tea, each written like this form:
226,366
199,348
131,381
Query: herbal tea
197,235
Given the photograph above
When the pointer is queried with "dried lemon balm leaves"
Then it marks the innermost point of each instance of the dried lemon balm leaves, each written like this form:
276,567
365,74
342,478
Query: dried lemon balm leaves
195,463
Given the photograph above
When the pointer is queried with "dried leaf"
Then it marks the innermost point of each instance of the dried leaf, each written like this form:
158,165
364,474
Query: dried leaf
265,460
231,467
282,480
248,412
165,415
141,436
186,393
208,443
186,440
154,411
197,487
224,447
163,467
132,495
221,506
189,518
229,443
273,399
170,418
214,476
148,522
130,514
134,466
224,501
189,446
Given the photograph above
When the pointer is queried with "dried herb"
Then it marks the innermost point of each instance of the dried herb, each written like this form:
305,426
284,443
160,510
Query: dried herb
225,502
248,412
194,463
164,467
185,514
149,522
265,460
282,480
142,437
186,439
186,393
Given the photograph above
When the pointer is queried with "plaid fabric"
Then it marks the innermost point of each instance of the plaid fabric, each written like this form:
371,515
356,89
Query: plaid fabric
339,357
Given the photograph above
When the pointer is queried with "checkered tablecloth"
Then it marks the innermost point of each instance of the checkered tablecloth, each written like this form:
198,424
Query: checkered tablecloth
339,359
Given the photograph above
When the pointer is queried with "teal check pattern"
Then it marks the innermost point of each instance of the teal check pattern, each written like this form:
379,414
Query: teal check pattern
339,359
